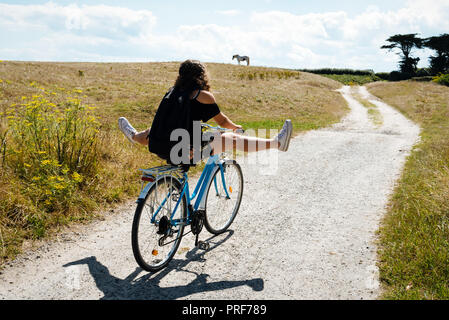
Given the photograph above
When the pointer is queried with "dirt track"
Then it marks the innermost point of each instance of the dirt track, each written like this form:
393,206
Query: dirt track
305,230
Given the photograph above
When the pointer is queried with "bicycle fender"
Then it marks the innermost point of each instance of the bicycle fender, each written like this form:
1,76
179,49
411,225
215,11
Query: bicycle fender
144,191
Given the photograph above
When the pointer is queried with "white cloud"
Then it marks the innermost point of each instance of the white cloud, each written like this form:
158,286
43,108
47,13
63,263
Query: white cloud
99,21
56,32
229,13
416,16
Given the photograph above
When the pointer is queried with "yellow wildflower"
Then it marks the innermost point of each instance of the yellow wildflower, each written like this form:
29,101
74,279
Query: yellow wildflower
56,163
58,186
77,177
27,165
45,162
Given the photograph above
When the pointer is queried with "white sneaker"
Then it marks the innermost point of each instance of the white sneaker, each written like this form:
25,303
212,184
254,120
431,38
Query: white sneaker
127,129
285,135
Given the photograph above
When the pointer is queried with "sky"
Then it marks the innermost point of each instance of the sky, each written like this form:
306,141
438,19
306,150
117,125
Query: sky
282,33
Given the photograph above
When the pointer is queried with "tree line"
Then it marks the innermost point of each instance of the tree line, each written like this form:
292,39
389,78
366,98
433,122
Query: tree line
339,71
404,44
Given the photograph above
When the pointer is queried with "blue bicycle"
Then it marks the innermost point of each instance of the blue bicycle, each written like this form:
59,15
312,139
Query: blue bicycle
165,207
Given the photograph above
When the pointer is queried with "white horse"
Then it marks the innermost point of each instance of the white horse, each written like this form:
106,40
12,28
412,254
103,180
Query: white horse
240,59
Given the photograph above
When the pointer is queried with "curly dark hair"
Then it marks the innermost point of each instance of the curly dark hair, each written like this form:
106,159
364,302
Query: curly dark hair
192,76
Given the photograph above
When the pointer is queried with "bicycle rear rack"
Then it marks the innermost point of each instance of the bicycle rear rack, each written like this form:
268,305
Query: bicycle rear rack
167,170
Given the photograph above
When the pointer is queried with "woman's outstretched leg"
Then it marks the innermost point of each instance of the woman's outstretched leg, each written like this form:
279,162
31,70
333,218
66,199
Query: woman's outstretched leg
142,137
132,134
232,141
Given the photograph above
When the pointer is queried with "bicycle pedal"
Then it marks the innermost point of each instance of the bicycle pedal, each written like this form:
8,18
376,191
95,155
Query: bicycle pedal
203,245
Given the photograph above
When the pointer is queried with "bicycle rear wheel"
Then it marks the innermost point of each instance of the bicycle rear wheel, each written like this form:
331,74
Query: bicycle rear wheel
155,243
224,197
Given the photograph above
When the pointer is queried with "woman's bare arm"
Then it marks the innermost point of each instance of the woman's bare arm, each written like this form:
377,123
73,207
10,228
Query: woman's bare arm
224,122
221,119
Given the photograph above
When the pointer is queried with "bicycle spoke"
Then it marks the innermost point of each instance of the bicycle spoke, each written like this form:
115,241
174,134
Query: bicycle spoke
223,202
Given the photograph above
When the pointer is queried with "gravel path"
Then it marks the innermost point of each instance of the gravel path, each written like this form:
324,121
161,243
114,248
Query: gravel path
305,230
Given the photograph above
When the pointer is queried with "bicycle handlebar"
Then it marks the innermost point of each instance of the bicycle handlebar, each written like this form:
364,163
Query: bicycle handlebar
238,131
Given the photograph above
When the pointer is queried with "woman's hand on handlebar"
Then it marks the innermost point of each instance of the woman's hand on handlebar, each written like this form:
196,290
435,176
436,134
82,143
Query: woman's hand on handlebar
238,129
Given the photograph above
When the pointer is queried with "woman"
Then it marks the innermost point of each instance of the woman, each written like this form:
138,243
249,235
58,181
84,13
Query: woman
193,83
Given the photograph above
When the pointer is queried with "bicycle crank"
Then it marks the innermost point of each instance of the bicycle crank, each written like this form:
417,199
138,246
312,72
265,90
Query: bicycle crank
197,221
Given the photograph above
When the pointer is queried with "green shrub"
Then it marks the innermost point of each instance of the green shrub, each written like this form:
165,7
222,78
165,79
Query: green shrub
442,79
339,71
50,146
398,76
423,72
423,79
383,75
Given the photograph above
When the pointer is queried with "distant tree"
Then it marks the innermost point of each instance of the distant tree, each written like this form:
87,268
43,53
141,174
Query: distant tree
405,43
440,62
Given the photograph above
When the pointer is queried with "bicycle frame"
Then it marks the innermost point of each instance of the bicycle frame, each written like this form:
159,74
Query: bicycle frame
214,163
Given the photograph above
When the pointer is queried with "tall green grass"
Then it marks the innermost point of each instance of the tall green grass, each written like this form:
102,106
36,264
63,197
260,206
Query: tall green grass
49,149
414,236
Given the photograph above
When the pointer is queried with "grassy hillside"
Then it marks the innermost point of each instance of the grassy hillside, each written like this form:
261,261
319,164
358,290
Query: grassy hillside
414,237
63,158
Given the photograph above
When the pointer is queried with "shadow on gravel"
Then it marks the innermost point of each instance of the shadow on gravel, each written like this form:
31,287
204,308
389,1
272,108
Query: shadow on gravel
147,286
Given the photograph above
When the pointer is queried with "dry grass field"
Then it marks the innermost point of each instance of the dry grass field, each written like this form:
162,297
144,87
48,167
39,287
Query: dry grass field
63,158
414,238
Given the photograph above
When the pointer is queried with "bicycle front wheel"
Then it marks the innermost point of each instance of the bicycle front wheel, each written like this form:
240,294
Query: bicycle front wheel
155,236
224,197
